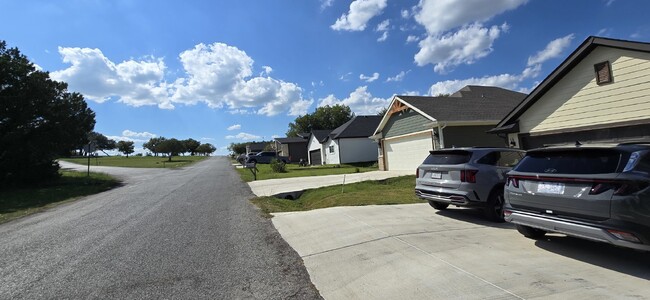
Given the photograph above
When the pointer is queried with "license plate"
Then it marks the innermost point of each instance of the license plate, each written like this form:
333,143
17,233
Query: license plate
436,175
550,188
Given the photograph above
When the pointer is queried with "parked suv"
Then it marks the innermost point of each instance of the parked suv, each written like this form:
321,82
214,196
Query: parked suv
469,177
599,193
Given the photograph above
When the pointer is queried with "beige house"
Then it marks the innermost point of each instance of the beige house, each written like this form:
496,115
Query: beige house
600,93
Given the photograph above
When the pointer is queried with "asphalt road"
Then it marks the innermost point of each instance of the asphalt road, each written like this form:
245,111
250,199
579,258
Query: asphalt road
189,233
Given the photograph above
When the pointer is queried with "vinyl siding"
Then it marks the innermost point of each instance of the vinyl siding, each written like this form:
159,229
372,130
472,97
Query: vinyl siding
577,101
408,122
331,158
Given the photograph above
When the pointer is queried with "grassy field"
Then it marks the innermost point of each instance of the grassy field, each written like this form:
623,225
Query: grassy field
137,161
399,190
19,202
293,170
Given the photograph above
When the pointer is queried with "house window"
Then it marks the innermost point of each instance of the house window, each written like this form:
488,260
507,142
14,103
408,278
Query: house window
603,72
331,149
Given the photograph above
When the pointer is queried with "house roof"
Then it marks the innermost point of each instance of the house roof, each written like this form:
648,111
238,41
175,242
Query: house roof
358,126
290,140
471,103
562,70
321,135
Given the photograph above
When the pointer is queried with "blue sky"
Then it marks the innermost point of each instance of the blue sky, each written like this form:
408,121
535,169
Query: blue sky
233,71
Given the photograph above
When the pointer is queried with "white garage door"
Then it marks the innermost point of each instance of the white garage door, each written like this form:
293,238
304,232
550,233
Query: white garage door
407,153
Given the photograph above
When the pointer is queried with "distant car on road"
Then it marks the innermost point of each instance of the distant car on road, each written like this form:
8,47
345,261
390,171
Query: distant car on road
468,177
594,192
265,157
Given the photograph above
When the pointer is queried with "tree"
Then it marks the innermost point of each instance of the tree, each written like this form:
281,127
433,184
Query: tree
237,148
101,142
325,117
125,147
172,147
39,120
191,145
206,149
153,144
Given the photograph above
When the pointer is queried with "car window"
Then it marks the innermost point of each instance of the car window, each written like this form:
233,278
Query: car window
644,164
453,157
580,161
489,159
509,158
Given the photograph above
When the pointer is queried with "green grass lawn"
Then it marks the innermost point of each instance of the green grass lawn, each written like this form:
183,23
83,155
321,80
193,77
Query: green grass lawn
137,161
293,170
398,190
19,202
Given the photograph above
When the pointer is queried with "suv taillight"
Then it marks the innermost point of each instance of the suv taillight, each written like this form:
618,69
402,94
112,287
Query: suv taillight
468,176
514,181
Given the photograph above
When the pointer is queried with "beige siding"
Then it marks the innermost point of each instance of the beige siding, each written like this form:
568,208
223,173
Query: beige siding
577,101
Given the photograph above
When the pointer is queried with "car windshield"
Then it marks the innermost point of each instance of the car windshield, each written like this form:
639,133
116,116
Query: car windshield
571,161
453,157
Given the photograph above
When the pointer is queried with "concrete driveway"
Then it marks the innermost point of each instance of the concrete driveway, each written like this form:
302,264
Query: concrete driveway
415,252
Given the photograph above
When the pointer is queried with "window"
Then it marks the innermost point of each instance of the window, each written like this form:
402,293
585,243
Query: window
578,161
489,159
603,72
331,149
509,158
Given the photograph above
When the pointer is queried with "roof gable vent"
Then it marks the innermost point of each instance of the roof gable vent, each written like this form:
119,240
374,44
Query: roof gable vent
603,72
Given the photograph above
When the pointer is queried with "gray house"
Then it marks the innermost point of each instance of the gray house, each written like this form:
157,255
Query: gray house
414,125
293,147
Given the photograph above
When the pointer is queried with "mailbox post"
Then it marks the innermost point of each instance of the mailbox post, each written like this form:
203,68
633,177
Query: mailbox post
253,168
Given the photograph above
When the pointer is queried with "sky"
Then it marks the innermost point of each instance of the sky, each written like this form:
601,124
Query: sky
235,71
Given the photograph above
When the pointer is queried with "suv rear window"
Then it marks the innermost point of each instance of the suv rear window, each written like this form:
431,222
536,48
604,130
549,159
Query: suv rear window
579,161
448,157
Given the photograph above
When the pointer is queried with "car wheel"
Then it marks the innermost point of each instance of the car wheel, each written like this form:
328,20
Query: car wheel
438,205
494,209
530,232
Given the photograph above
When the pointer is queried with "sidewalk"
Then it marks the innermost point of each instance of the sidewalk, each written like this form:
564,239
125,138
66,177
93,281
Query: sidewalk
272,187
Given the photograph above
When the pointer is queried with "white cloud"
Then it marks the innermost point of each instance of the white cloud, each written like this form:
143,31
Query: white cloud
325,4
465,46
216,74
438,16
300,108
609,2
361,11
133,134
507,81
372,78
234,127
383,37
412,38
275,136
244,136
135,83
553,49
604,32
360,101
345,77
405,14
383,26
398,77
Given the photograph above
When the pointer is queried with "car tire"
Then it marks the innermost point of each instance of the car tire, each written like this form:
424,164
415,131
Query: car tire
438,205
530,232
494,209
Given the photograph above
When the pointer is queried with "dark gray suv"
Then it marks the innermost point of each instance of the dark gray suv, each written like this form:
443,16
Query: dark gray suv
595,192
469,177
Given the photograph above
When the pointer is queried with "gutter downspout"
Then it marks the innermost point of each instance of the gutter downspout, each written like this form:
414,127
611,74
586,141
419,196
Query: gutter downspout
441,136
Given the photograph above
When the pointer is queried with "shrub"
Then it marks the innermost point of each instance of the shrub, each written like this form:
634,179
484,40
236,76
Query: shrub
278,166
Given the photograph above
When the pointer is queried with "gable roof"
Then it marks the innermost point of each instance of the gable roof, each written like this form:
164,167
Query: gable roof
290,140
507,124
321,135
358,126
472,103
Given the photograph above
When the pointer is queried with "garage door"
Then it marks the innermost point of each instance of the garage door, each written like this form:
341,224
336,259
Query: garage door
315,157
407,153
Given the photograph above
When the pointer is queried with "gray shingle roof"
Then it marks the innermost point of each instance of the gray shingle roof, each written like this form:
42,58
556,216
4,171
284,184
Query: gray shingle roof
471,103
289,140
321,135
358,126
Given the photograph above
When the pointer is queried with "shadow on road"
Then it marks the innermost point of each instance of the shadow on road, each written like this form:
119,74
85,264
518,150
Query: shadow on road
623,260
471,215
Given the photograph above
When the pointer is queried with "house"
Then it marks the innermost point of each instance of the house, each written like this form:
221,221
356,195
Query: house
414,125
315,146
255,147
350,142
599,93
293,147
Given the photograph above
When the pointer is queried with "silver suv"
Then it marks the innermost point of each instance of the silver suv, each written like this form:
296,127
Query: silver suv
469,177
595,192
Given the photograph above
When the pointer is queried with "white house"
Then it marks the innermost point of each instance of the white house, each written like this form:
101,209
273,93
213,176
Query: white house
315,146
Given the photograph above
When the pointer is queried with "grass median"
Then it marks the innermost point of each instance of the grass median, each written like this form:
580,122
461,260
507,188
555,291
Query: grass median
16,202
137,161
398,190
294,170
